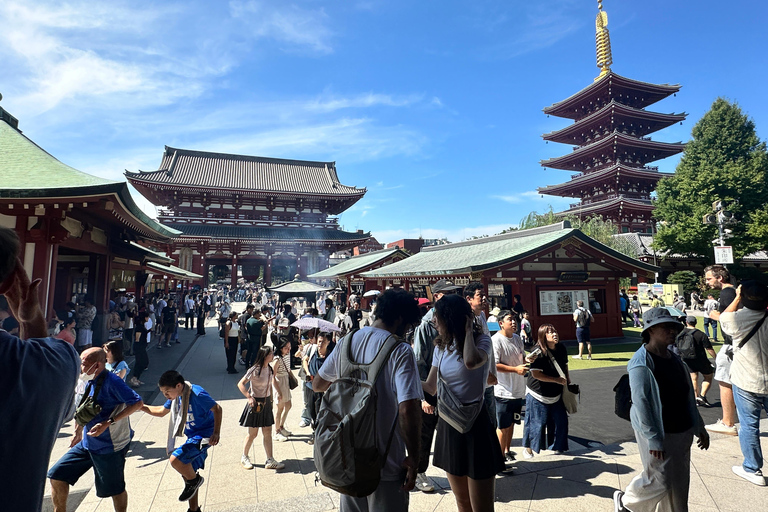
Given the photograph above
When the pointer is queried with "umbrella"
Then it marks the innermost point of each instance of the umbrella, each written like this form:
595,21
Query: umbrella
674,311
371,293
311,322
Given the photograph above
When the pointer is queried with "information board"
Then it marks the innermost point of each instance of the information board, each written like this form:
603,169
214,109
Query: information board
561,302
723,255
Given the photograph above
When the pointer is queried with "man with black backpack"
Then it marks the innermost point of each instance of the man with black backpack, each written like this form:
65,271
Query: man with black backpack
694,346
375,465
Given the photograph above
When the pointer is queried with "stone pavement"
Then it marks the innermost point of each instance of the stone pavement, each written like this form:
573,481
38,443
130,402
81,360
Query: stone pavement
584,479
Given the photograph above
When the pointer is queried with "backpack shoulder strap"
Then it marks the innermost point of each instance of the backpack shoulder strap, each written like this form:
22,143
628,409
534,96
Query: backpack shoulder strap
372,369
754,330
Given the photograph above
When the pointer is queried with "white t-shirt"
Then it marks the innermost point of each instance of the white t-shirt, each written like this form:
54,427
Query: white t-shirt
398,382
468,385
189,305
509,351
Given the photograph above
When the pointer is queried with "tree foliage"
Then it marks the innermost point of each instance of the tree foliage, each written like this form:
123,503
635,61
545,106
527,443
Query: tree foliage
595,227
687,278
725,161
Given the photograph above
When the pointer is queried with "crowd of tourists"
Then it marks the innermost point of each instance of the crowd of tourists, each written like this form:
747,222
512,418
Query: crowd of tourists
441,376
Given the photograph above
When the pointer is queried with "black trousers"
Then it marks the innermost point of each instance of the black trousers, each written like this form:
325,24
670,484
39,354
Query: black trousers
251,349
201,325
142,360
231,354
314,408
428,425
189,321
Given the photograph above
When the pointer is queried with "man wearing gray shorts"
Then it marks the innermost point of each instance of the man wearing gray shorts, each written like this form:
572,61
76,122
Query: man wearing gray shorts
719,278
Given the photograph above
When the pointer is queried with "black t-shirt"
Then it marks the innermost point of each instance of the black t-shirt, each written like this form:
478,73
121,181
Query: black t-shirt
169,314
672,379
10,323
543,363
727,295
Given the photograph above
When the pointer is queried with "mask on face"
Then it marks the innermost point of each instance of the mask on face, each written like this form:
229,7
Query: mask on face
85,377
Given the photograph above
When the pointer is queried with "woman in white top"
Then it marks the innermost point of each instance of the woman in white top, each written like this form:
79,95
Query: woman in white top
462,355
231,338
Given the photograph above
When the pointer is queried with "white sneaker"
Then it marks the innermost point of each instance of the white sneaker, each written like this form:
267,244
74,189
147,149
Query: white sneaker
280,438
273,464
246,462
286,433
423,484
617,506
575,357
721,428
303,423
754,478
527,454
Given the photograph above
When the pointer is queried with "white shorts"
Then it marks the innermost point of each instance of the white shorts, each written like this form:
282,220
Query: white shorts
723,365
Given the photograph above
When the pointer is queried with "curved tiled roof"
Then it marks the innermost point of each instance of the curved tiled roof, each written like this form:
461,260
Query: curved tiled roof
187,168
357,263
267,233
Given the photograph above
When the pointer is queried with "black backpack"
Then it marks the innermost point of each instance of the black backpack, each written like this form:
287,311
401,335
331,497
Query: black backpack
686,345
623,397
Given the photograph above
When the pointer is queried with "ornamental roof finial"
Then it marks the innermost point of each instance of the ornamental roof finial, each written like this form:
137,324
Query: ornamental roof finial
602,42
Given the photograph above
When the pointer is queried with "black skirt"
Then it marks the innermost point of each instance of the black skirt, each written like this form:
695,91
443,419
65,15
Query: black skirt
263,418
476,454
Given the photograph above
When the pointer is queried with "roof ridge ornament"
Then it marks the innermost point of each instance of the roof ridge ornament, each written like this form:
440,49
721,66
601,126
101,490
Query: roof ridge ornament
602,42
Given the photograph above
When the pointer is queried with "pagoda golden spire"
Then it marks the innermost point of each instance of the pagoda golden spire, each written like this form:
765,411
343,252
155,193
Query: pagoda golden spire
602,42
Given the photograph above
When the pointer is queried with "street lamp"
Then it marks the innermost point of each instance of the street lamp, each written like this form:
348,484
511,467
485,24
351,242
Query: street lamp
721,217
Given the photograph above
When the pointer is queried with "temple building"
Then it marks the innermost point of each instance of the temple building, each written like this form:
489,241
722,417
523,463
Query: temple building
611,143
249,216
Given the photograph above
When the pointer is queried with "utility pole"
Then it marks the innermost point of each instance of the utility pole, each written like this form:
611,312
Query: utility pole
721,217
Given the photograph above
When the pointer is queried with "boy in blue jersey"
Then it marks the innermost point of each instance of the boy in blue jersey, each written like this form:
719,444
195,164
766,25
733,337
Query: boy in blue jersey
193,410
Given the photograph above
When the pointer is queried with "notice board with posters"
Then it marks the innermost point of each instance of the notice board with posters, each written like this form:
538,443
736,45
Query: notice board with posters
561,302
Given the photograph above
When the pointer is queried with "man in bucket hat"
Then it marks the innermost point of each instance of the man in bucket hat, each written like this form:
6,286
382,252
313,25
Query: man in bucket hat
748,371
664,418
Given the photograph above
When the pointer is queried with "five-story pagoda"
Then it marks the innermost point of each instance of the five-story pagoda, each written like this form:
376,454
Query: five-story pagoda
612,144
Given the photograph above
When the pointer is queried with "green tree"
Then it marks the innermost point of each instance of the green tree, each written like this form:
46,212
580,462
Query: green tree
687,278
725,161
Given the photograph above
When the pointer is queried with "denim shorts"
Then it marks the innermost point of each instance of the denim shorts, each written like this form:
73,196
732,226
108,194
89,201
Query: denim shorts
108,469
192,452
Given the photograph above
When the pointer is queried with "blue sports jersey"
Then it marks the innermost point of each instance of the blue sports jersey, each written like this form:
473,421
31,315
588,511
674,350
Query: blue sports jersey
114,393
199,414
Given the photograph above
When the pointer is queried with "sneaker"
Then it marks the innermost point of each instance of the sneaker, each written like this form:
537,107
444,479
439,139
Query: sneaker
303,423
279,437
134,382
423,484
273,464
527,454
242,361
191,487
168,345
702,400
311,441
245,461
509,457
721,428
286,433
159,346
754,478
178,342
617,506
589,358
575,357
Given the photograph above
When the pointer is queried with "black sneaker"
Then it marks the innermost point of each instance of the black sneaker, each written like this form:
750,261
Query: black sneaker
190,488
702,400
509,457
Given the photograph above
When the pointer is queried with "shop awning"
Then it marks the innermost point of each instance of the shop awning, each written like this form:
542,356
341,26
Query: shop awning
174,271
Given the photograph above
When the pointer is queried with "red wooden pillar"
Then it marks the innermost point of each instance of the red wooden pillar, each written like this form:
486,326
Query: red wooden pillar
268,271
234,272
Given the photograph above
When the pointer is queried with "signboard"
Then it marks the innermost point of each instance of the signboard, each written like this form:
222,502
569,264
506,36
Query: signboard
561,302
496,290
724,255
573,277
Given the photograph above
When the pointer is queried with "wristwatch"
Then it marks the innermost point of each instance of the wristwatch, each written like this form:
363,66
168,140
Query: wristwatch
111,421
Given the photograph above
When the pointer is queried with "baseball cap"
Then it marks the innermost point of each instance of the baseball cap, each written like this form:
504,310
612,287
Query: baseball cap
444,285
690,320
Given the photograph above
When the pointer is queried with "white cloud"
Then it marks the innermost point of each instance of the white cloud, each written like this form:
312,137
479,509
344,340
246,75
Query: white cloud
285,23
534,198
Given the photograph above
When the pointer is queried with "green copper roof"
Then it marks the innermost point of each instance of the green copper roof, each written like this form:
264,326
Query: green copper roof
25,165
355,263
298,286
486,253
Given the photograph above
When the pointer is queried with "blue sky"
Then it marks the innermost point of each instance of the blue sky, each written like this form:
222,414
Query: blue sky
433,105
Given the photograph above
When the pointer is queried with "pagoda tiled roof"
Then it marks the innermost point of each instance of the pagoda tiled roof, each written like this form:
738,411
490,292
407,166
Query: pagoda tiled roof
183,168
357,263
571,188
608,116
28,171
575,161
611,87
491,252
267,234
609,205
